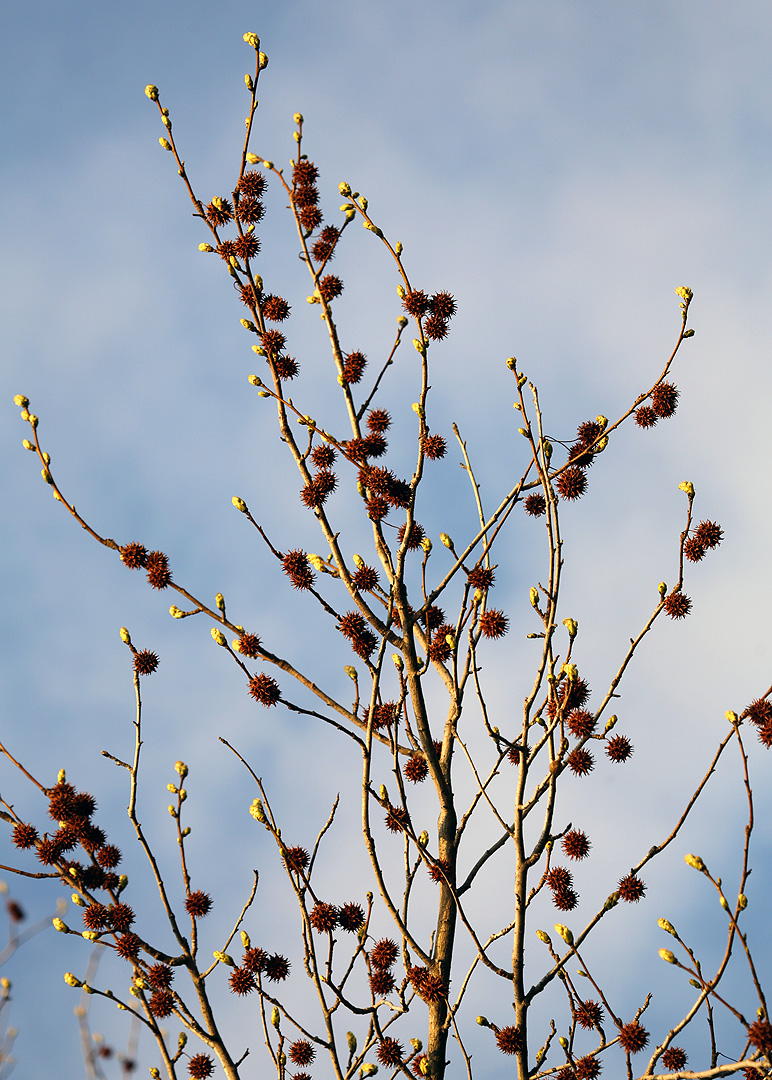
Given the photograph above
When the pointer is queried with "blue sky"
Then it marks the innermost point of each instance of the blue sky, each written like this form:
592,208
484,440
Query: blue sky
560,167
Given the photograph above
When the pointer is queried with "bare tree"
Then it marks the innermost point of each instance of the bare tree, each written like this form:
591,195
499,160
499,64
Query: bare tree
434,741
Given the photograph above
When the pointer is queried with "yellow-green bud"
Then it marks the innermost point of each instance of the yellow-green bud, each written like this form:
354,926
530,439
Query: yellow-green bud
90,935
358,561
275,1017
534,596
61,926
742,901
351,672
688,333
263,61
572,626
252,159
522,379
223,958
565,933
668,956
252,39
123,881
205,247
24,414
419,346
446,541
220,601
384,793
181,769
245,941
240,505
370,1070
563,1041
218,636
483,1021
570,671
70,979
418,409
685,293
724,903
175,612
166,121
511,363
662,588
33,420
257,811
423,839
155,1073
732,717
186,830
401,322
695,862
268,164
165,143
523,431
667,926
351,1042
151,92
344,189
547,448
171,788
426,545
248,325
27,444
544,937
172,811
397,661
20,401
610,723
46,476
601,421
601,445
78,899
688,487
417,1045
611,901
125,636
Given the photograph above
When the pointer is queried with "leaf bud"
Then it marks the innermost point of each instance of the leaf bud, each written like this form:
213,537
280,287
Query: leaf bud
398,249
248,325
611,901
123,881
601,421
368,1070
172,811
252,39
522,379
724,903
563,1041
697,985
20,401
511,363
245,940
417,1045
667,926
46,476
90,935
483,1021
257,811
732,717
27,444
423,839
426,546
572,626
742,901
534,596
544,937
418,409
397,661
268,164
154,1072
358,561
205,247
546,446
523,431
662,588
275,1017
688,333
125,636
688,487
351,672
696,863
685,293
165,143
171,788
263,61
344,189
181,769
61,926
565,933
175,612
384,793
601,445
401,322
70,979
571,671
668,956
446,541
24,414
218,636
419,346
223,958
78,899
151,92
252,159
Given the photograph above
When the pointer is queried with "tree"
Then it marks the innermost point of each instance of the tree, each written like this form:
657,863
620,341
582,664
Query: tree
407,651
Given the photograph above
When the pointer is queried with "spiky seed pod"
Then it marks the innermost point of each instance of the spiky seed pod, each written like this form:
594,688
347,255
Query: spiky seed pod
226,249
273,341
633,1037
246,247
275,308
439,647
390,1053
397,819
434,447
198,904
435,328
108,856
430,988
306,196
420,1066
330,287
304,172
296,567
121,917
645,417
619,748
383,715
377,508
381,982
219,212
296,859
286,367
709,533
759,712
249,211
310,217
481,577
277,967
352,625
200,1066
325,483
587,1068
160,976
631,889
254,959
351,917
508,1039
364,646
242,981
589,1014
566,1073
145,662
576,845
415,536
571,484
588,432
264,689
128,946
324,248
694,550
323,917
161,1003
439,870
416,769
580,762
374,445
416,303
252,185
674,1059
580,723
378,420
664,399
493,623
354,365
535,504
580,456
24,836
323,456
559,878
365,579
249,645
302,1052
443,304
247,294
384,953
433,617
565,899
133,555
677,604
158,573
96,917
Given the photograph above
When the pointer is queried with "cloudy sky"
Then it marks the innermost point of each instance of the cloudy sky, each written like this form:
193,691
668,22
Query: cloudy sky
560,167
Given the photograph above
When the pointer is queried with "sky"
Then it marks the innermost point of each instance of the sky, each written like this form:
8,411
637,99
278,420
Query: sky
559,167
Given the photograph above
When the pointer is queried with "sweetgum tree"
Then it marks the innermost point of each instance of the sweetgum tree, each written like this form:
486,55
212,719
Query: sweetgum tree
459,792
